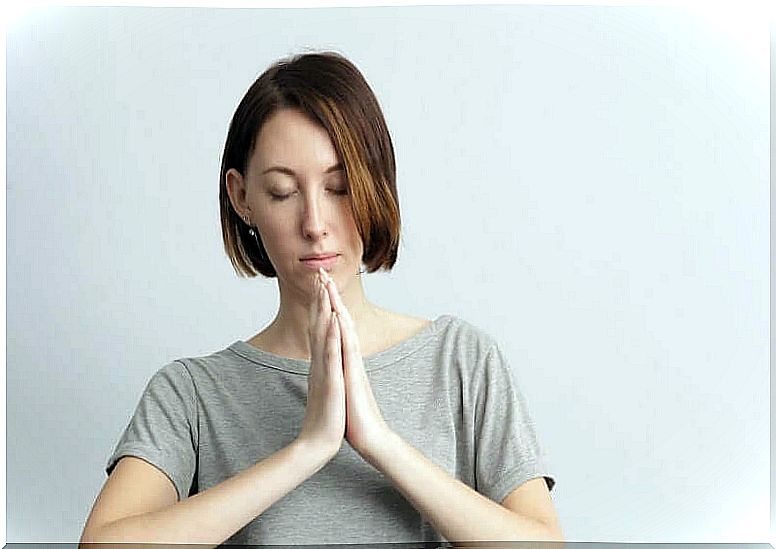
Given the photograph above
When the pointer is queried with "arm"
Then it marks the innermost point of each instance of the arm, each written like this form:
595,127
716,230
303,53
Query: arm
209,517
139,502
456,511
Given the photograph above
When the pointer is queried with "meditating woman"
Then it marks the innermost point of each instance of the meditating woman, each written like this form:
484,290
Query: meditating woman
340,421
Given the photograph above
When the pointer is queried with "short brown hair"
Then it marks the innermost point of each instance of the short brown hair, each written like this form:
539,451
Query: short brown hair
332,91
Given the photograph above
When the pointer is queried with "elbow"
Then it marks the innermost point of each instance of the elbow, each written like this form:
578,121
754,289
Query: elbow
92,534
556,537
88,537
554,533
547,530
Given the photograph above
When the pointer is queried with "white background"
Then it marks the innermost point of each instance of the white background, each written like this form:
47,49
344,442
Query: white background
588,184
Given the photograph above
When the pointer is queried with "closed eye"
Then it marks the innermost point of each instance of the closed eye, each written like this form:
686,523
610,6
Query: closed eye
279,197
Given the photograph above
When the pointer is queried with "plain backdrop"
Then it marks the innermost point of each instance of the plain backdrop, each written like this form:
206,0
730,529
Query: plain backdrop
587,184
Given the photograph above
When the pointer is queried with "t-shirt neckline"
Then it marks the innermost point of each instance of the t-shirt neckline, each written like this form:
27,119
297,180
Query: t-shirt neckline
372,362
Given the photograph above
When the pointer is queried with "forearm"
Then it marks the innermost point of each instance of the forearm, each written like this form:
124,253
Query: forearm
212,516
455,510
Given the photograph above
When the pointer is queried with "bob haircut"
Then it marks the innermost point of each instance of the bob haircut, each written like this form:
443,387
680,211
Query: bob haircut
332,92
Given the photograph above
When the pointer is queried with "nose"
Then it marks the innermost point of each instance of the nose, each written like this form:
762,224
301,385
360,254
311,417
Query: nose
313,219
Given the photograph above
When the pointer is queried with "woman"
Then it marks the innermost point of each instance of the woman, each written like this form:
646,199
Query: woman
246,445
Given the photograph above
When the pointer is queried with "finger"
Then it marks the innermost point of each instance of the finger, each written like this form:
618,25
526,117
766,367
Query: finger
339,305
334,294
349,341
322,276
345,339
333,348
327,304
324,311
314,302
318,326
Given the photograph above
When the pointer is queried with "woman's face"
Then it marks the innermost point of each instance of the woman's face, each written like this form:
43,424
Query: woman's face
299,198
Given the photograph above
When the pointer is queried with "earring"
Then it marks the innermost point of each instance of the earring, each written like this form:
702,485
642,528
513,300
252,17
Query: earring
255,235
250,227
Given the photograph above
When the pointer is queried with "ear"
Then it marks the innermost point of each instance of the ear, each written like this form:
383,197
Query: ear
235,188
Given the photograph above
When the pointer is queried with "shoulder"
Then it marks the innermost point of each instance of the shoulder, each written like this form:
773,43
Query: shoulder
173,373
406,324
466,336
453,342
187,377
448,325
391,329
473,353
171,382
197,367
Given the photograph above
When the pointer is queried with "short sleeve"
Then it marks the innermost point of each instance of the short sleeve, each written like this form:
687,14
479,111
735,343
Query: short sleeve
507,449
163,429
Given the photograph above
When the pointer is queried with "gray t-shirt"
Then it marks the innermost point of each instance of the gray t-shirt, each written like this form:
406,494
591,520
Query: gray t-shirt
447,390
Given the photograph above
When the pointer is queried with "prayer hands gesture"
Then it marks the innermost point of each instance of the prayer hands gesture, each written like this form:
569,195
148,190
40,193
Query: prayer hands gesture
339,398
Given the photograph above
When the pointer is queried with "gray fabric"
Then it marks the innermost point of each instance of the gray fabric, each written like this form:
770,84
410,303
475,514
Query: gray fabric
447,390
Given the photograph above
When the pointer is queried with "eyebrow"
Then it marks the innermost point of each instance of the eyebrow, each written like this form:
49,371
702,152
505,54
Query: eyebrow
288,171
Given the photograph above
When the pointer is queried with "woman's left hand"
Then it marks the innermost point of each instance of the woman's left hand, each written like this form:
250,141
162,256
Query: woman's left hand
365,427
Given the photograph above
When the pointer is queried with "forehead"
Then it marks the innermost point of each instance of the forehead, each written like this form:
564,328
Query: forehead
290,138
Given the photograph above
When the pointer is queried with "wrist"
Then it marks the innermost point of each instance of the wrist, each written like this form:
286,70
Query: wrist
382,447
312,453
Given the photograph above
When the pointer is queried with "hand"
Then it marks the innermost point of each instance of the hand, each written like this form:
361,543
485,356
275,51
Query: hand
365,427
323,426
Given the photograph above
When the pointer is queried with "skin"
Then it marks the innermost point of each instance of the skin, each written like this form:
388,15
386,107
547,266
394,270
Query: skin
313,218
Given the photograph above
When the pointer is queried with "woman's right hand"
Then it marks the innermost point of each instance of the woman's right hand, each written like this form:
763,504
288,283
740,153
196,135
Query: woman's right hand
323,427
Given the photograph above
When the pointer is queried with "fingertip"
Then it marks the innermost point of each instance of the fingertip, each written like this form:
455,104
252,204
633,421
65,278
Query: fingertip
325,295
335,329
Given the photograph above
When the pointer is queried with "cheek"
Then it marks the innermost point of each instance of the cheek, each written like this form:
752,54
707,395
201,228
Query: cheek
276,242
356,241
271,235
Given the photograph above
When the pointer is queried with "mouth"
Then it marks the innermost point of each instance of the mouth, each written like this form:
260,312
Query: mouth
315,263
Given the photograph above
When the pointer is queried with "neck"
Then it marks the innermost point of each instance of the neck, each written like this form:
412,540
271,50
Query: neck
287,335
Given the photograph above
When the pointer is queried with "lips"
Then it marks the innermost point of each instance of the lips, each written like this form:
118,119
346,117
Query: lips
318,256
316,262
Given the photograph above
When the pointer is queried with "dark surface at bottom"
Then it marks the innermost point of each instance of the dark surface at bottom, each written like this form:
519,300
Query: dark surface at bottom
422,545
